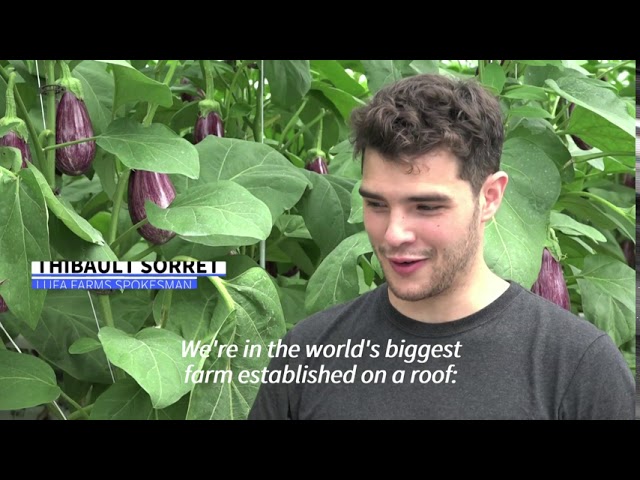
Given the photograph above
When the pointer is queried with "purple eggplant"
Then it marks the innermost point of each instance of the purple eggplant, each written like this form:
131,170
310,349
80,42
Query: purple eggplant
12,139
187,97
73,123
550,283
156,187
3,305
210,125
581,144
318,165
629,250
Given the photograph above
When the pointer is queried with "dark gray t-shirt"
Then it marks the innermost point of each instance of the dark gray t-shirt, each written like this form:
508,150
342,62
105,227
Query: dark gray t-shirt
521,357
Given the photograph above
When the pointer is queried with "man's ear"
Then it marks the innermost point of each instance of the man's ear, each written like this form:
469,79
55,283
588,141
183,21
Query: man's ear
491,194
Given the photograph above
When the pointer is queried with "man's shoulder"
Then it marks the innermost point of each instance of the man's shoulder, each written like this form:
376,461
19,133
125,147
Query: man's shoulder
553,321
331,321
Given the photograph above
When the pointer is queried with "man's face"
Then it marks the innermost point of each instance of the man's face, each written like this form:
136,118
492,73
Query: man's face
423,225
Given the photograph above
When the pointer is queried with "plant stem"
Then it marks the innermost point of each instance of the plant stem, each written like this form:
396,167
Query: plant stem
123,181
614,68
598,199
586,158
166,306
152,107
105,305
81,411
142,222
27,120
49,166
217,282
66,144
292,122
143,254
303,129
258,121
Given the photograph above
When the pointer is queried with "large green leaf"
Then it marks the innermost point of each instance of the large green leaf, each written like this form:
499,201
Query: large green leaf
289,80
607,286
539,133
343,163
336,279
584,92
66,213
134,86
98,88
336,74
515,237
493,78
343,101
266,173
25,381
326,210
215,214
257,320
382,72
155,148
68,316
569,226
70,247
153,357
24,238
602,134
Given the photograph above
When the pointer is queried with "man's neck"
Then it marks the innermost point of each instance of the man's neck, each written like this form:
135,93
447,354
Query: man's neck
464,299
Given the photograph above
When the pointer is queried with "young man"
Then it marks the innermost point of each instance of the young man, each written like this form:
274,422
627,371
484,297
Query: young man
454,341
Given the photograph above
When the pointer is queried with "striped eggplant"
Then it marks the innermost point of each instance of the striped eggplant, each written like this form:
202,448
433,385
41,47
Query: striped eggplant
73,123
156,187
318,165
211,124
550,283
13,139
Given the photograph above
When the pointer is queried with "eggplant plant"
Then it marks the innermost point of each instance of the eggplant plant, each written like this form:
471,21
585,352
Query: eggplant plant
109,160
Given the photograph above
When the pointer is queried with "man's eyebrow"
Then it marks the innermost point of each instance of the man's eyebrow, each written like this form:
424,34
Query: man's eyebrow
433,197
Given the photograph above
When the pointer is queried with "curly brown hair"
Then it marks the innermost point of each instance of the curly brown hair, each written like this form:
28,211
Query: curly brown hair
424,113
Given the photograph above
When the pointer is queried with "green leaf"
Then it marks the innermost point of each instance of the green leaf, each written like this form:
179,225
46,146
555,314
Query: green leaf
9,126
153,357
601,100
84,345
343,164
493,77
68,316
289,80
134,86
25,381
343,101
569,226
540,63
601,213
529,111
526,92
357,205
425,66
382,72
66,213
155,148
214,214
124,400
336,74
263,171
601,134
326,210
608,296
24,238
515,237
336,279
539,133
11,158
257,320
293,226
70,247
121,63
98,89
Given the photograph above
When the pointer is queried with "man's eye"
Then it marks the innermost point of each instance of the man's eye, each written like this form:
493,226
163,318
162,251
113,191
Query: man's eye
428,208
375,204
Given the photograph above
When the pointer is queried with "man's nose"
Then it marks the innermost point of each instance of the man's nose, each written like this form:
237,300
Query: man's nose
398,231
